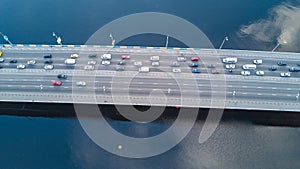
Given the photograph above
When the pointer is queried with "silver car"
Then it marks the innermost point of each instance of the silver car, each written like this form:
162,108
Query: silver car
21,66
92,62
31,62
231,66
181,59
81,83
245,73
48,67
89,67
176,70
260,73
105,62
286,74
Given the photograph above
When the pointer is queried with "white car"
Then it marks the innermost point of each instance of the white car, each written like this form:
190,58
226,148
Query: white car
81,83
74,56
154,58
260,73
92,62
106,56
2,60
286,74
138,63
21,66
105,62
31,62
89,67
176,70
155,63
48,67
258,61
245,73
181,59
231,66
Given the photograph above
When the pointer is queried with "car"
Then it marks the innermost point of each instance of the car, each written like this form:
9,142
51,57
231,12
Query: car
1,53
260,73
215,71
74,56
181,59
294,69
81,83
249,66
144,69
120,68
230,70
245,73
105,62
137,63
175,64
56,83
298,64
176,70
154,58
48,61
2,60
92,55
13,61
231,66
121,63
1,66
273,68
47,55
285,74
281,63
92,62
106,56
155,63
193,65
70,61
89,67
21,66
62,76
229,60
257,61
31,62
211,66
196,70
48,67
125,57
195,59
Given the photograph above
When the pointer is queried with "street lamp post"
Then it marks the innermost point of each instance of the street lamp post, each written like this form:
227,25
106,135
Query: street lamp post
224,40
278,44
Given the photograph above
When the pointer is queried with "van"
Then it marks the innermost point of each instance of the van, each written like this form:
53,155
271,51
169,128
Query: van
294,69
249,66
70,61
229,60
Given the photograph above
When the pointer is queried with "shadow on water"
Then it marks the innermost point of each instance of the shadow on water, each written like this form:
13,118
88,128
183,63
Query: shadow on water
272,118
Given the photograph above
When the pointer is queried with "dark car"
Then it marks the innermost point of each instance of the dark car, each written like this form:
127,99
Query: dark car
92,55
48,61
273,68
193,65
13,61
281,63
47,55
62,76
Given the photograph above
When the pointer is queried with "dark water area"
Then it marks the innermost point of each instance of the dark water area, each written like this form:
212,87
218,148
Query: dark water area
39,142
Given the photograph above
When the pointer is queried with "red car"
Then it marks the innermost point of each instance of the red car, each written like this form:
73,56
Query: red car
195,59
56,83
125,57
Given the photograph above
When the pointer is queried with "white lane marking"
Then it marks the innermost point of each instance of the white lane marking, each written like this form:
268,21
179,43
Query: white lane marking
141,83
288,89
259,87
288,95
245,93
155,83
259,94
274,88
274,94
244,86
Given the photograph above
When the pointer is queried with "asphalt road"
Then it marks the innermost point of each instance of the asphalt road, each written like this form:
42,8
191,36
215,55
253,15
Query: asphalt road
229,86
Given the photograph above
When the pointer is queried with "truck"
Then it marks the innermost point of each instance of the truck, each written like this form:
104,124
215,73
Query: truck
70,61
294,69
144,69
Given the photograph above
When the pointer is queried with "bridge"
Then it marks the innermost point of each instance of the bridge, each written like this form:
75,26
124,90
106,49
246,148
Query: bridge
90,81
